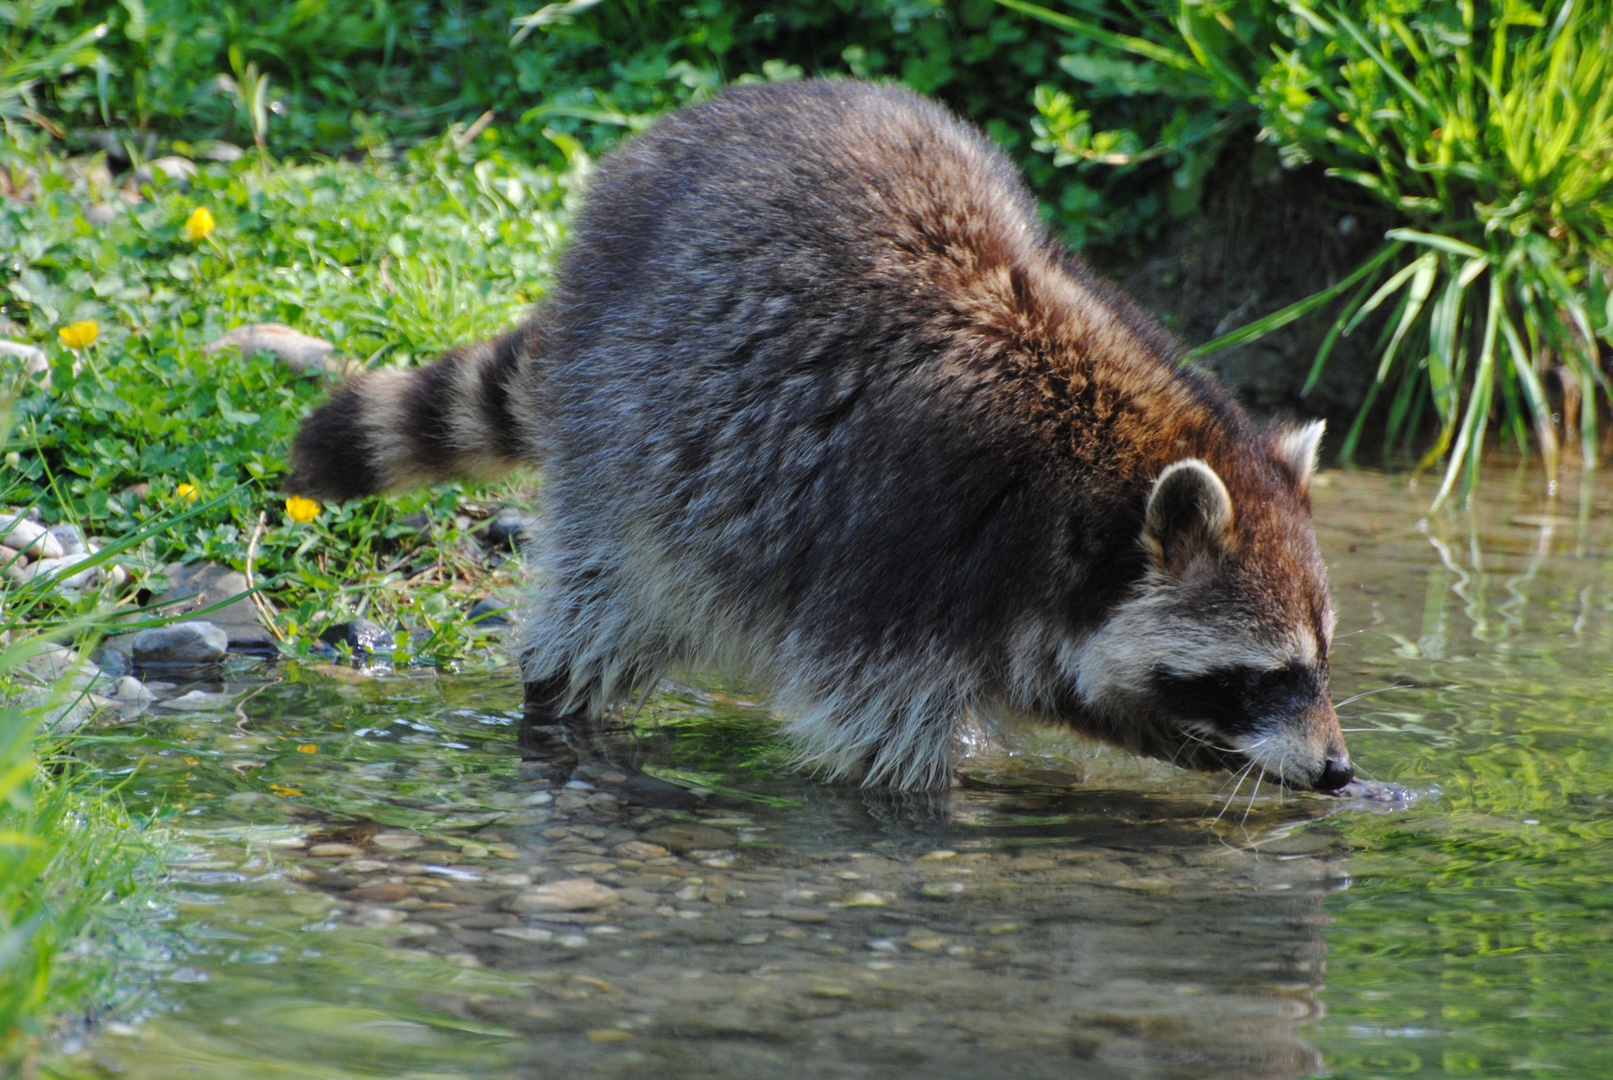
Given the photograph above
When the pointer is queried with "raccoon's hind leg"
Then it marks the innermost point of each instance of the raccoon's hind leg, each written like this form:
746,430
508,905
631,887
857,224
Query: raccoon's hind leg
545,729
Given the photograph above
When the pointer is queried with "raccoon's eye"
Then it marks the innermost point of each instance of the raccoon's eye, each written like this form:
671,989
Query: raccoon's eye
1270,680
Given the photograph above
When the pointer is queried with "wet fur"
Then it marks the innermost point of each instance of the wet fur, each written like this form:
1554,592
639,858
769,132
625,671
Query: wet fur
816,399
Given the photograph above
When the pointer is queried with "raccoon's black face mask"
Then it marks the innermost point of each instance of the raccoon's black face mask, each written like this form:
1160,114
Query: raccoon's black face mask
1219,661
1242,710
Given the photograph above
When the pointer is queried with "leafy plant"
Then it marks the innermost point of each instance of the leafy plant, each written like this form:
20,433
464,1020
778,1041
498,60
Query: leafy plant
1178,112
1491,129
1487,127
28,57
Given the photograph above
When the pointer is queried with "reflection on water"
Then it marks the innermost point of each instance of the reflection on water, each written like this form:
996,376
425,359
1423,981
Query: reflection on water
1475,938
375,887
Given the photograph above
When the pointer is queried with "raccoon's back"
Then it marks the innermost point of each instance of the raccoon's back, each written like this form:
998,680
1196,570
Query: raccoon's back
803,364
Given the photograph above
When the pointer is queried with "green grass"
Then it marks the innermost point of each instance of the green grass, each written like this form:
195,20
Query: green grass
392,262
73,867
331,77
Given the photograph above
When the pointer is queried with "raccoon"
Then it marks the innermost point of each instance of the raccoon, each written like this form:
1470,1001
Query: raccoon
815,399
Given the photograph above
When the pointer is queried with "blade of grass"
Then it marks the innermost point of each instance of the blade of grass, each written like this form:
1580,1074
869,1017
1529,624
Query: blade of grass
1478,404
1125,42
1422,283
1434,240
1261,327
1334,332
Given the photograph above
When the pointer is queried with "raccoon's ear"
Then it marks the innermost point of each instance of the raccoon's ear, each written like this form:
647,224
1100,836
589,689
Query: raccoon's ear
1189,517
1295,448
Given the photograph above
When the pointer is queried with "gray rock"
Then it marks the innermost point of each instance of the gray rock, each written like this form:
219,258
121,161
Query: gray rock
218,150
34,360
298,351
360,635
14,565
190,643
130,693
113,661
509,528
72,539
491,611
62,666
200,585
59,713
418,523
171,168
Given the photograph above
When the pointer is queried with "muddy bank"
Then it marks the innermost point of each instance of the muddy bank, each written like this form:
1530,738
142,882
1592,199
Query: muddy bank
1263,238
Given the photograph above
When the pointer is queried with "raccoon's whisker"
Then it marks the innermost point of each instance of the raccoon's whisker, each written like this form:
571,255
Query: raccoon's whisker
1253,795
1194,737
1233,775
1243,774
1368,693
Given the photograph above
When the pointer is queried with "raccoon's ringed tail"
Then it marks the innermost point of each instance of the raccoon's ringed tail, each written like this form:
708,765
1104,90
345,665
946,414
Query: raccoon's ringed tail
467,415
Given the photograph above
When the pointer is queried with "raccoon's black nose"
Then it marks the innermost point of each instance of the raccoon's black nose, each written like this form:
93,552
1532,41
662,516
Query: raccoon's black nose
1335,775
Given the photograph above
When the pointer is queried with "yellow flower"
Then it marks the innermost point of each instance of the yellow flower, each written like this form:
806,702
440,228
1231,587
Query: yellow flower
80,335
199,226
301,509
187,492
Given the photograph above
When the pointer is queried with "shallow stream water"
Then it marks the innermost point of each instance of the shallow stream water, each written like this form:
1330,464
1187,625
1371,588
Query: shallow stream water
369,882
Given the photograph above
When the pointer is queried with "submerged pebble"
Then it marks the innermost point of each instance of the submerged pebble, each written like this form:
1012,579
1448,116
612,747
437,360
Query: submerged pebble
198,701
685,837
397,841
574,894
333,851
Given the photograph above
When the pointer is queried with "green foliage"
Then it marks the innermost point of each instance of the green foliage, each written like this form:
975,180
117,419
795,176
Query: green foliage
71,860
1490,127
347,70
1173,115
28,57
1487,127
329,77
